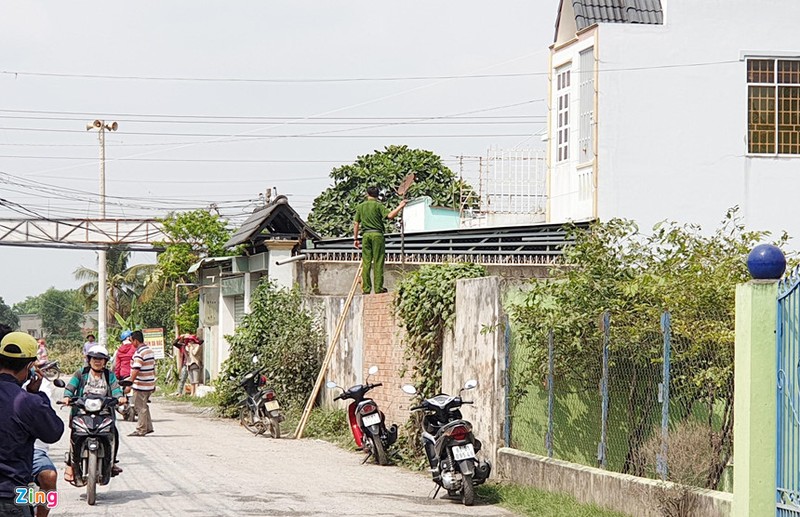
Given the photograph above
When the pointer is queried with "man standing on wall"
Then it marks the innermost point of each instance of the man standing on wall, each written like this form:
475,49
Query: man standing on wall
143,377
370,218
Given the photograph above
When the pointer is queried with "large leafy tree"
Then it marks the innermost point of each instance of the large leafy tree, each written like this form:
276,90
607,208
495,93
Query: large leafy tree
7,316
61,312
195,235
333,210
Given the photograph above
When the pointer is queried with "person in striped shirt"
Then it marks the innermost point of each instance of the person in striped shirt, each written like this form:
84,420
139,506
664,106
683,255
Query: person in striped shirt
143,377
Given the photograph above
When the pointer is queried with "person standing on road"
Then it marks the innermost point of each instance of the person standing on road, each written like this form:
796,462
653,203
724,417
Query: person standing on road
41,352
143,376
194,362
183,369
123,356
90,342
25,415
370,219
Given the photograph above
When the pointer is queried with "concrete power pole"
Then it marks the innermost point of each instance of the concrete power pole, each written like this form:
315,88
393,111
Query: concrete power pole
102,303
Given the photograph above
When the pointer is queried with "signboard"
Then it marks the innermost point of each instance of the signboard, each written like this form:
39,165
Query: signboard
154,338
232,285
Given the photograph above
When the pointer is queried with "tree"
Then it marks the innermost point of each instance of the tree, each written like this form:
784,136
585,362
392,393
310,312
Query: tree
123,284
195,235
333,210
635,277
30,305
61,312
7,316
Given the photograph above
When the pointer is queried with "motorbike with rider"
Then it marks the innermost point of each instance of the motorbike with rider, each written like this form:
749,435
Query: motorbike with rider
93,392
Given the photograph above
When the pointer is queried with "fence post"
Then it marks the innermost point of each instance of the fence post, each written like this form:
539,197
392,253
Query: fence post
602,447
507,375
548,439
754,400
663,394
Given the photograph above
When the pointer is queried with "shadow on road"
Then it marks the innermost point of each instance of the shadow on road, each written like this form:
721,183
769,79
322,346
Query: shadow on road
123,496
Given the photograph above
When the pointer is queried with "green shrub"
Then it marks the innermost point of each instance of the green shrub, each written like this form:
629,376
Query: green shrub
286,339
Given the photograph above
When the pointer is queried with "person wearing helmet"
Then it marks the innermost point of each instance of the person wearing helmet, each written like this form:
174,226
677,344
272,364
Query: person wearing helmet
25,415
94,379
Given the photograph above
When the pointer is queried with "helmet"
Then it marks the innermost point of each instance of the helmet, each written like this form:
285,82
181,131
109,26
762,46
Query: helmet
98,351
125,335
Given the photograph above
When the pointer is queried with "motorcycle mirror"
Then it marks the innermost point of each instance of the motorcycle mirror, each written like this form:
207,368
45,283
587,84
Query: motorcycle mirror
58,383
409,389
372,370
124,383
470,384
330,385
255,359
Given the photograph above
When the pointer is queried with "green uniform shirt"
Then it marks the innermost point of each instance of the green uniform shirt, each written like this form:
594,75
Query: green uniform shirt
371,215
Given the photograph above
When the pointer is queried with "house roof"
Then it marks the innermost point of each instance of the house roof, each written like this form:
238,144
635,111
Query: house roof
589,12
275,220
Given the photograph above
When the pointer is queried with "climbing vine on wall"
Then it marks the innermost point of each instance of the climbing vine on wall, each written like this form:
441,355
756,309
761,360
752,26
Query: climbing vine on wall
426,304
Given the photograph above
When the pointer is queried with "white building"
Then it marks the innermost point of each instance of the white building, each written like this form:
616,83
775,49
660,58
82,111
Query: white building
270,236
675,110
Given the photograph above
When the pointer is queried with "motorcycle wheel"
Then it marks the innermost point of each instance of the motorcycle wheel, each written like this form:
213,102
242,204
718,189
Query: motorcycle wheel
274,428
91,478
130,414
381,458
246,419
467,490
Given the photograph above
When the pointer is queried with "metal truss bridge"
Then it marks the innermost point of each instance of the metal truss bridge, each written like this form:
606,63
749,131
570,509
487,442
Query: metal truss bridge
91,234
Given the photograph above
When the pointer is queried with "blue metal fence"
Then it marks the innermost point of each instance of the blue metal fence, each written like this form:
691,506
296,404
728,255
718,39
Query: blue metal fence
788,371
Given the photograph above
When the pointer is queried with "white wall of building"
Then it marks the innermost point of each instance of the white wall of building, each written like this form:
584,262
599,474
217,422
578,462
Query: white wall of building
672,141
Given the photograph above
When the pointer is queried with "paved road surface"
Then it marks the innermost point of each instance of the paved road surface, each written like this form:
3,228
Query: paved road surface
197,465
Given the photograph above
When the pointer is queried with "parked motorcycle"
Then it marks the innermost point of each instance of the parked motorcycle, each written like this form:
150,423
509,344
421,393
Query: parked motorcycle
367,422
93,439
260,411
450,445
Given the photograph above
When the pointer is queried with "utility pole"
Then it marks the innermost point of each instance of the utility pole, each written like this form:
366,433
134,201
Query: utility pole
102,304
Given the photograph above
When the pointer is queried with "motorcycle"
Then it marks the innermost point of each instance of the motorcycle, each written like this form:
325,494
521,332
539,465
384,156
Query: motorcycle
367,422
50,370
93,439
450,445
261,411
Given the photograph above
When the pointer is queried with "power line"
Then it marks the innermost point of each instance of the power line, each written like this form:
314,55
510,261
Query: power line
17,73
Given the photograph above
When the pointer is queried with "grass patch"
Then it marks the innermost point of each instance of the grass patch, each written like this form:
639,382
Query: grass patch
538,503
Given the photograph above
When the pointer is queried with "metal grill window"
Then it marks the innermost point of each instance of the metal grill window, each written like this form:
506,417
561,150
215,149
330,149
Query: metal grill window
773,113
562,89
586,101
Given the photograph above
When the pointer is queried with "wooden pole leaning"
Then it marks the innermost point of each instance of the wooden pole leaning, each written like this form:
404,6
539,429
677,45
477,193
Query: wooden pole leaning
301,426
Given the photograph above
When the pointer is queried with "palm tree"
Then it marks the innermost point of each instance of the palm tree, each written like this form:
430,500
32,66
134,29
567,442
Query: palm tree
124,285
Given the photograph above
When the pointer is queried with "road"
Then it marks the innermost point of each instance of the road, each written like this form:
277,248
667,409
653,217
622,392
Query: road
196,464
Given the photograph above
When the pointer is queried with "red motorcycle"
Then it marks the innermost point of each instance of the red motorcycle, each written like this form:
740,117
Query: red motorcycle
367,422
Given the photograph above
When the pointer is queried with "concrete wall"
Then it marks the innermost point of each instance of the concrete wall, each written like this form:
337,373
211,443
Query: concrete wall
472,353
621,492
336,278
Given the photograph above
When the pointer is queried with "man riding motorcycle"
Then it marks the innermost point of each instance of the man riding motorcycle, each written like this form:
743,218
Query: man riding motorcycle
94,379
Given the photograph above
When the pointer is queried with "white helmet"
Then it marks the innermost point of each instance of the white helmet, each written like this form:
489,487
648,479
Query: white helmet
98,351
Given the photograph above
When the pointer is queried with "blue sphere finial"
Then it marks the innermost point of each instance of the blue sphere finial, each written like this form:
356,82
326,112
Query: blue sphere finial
766,262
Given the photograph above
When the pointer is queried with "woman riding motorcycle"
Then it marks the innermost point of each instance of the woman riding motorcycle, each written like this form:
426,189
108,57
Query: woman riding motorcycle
94,379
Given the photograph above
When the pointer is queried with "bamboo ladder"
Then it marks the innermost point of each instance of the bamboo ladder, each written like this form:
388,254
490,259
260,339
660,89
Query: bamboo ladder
301,426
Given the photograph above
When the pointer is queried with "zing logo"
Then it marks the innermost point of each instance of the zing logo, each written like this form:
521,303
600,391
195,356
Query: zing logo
27,496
